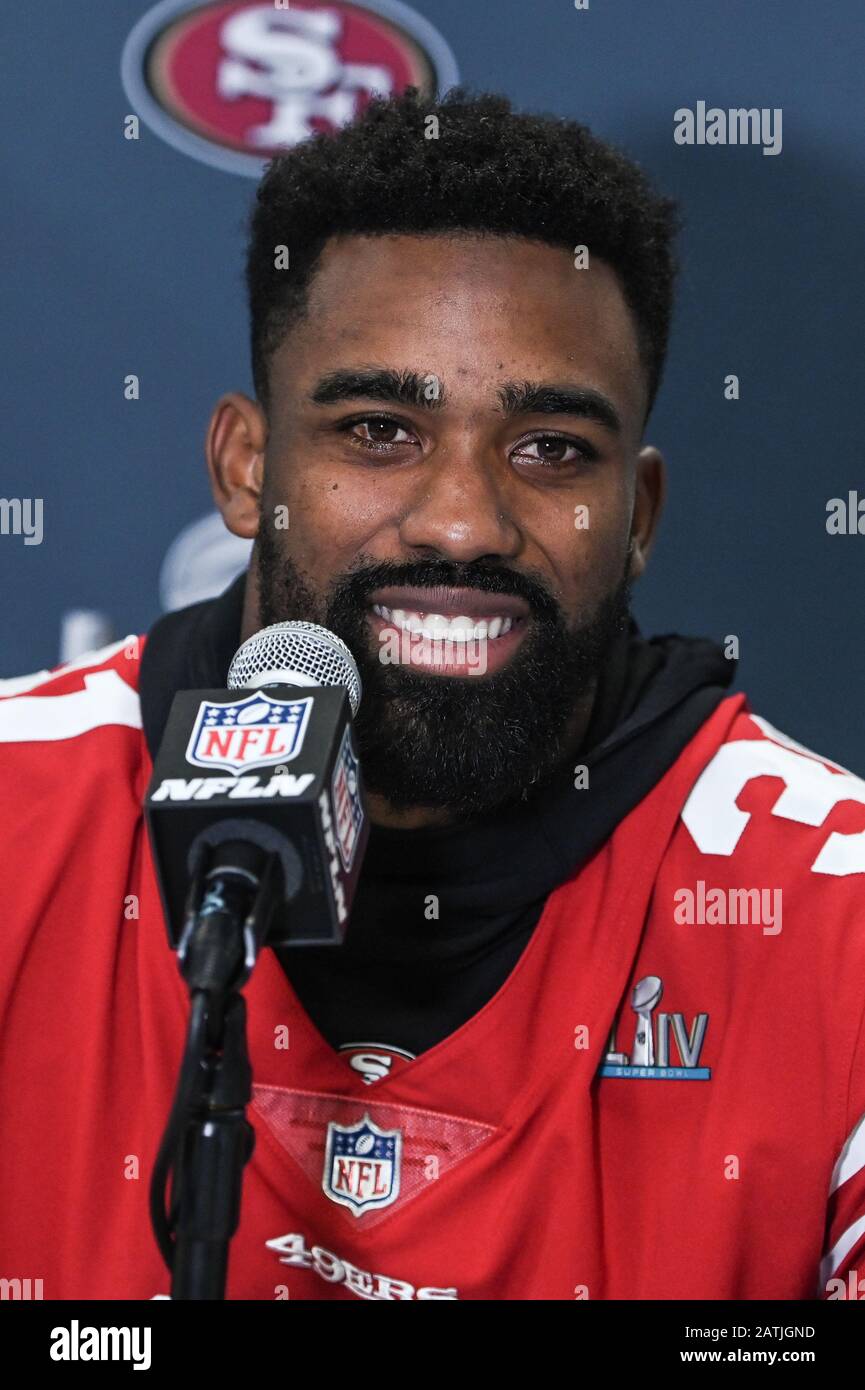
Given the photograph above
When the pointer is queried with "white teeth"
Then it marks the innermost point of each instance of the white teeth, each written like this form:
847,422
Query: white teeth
464,630
438,626
410,620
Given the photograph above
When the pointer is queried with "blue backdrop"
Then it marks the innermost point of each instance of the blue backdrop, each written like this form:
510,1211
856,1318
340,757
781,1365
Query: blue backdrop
125,256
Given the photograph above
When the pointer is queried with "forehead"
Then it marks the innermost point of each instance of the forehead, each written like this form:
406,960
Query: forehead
473,308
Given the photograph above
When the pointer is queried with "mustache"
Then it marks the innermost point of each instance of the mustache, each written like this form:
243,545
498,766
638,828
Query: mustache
355,587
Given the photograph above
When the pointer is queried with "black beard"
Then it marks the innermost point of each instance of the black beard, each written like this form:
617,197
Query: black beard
470,744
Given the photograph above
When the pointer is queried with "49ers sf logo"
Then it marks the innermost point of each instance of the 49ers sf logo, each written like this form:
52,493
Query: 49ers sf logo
230,82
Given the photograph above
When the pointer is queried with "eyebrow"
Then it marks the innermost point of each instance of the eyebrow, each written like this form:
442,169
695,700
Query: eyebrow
378,384
515,397
534,398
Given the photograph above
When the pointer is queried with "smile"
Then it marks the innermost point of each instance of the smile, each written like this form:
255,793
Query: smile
438,625
457,632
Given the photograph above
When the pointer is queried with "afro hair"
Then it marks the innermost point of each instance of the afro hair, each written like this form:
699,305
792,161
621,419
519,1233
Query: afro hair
489,170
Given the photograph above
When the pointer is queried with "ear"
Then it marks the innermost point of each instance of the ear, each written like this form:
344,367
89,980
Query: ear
234,447
649,495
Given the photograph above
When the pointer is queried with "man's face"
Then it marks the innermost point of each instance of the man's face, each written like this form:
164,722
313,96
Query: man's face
453,441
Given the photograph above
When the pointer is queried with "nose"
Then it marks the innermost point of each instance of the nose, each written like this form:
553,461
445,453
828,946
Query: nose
458,511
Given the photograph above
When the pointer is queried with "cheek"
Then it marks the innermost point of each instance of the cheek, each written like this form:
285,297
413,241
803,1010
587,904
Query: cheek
585,539
331,520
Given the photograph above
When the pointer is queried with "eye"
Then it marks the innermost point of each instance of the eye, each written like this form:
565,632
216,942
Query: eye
554,451
379,433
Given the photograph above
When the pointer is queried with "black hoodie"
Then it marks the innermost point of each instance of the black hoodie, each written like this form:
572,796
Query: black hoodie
442,914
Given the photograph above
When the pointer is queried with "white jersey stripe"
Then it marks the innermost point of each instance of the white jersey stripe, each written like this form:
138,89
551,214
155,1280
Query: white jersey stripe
17,685
852,1157
105,699
840,1249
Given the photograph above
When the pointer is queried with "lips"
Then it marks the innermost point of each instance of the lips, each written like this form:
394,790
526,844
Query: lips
451,603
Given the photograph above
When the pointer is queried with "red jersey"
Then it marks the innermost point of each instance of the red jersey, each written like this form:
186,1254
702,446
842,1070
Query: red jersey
664,1100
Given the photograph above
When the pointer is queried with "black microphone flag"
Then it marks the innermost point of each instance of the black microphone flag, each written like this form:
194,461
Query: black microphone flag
275,765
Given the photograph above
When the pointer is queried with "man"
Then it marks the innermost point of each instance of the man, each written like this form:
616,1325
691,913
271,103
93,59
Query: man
602,988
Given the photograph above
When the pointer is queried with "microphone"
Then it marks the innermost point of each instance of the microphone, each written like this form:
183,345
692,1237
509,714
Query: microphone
257,824
263,779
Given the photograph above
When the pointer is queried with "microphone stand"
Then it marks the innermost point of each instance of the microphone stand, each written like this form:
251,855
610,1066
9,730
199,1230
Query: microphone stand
208,1139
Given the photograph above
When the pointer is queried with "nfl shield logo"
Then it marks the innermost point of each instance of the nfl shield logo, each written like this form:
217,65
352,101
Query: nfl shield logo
345,795
258,731
361,1165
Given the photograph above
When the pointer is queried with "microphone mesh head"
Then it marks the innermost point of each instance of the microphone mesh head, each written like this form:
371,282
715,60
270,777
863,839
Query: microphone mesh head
295,654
